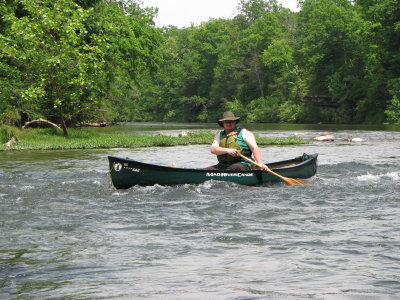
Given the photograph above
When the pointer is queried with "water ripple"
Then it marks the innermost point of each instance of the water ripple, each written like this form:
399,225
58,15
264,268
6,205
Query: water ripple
66,233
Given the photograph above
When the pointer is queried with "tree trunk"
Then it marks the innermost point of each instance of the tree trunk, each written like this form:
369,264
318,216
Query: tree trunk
62,120
258,75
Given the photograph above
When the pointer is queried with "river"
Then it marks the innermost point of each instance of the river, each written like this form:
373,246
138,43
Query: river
66,233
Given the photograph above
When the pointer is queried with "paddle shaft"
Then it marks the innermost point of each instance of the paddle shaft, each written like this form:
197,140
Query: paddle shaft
289,181
259,165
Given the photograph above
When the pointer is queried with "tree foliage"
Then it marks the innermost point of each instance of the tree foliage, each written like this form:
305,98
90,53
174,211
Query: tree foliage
58,60
73,61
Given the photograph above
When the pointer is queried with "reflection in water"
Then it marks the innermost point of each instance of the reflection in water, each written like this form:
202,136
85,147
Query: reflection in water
66,233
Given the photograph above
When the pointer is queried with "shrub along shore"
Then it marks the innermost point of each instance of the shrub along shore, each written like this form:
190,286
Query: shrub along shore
84,138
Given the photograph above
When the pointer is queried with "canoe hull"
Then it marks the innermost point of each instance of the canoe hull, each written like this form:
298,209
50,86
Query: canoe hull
125,173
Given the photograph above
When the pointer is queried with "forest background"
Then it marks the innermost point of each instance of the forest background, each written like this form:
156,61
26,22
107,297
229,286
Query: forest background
80,61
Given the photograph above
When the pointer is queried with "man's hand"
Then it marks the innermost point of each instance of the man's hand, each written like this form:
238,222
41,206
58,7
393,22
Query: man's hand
264,167
232,152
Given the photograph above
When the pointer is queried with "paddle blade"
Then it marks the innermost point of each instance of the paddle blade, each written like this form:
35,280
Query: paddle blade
288,181
293,181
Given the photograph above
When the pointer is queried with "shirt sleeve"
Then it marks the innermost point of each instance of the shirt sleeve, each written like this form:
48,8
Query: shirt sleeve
249,138
216,140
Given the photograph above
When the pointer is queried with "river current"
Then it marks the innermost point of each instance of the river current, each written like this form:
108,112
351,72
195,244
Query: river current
66,233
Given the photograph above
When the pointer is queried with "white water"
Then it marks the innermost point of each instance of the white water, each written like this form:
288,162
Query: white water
66,233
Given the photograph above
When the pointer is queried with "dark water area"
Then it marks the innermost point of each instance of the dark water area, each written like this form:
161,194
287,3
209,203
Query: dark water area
65,232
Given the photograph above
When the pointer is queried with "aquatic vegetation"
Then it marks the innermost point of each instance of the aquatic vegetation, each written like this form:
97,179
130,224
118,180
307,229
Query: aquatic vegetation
51,138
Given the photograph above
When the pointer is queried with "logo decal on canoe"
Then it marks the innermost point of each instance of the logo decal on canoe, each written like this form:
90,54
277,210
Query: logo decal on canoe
217,174
118,167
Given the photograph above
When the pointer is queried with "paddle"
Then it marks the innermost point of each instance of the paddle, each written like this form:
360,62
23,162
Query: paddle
288,181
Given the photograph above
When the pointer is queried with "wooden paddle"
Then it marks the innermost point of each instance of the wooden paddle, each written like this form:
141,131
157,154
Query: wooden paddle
288,181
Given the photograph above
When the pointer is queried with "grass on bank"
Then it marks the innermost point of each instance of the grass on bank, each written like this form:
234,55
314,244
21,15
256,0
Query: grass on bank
53,139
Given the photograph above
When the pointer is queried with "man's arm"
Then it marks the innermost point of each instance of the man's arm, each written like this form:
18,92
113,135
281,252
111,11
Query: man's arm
251,142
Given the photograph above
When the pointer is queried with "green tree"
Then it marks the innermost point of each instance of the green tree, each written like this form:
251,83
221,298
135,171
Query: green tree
70,64
239,64
253,10
130,44
393,110
49,52
383,58
242,72
286,81
331,47
181,88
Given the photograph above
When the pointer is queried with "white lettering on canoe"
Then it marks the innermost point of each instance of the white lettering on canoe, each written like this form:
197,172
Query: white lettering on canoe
218,174
133,169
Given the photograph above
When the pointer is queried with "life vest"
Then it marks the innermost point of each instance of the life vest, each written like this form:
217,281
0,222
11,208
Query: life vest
233,140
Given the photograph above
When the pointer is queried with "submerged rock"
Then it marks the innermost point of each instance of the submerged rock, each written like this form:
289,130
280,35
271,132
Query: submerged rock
325,138
355,140
184,133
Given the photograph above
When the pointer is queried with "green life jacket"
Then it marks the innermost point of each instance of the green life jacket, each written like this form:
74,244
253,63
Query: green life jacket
233,140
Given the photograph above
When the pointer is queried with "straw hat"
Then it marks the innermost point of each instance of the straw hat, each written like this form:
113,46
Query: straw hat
228,116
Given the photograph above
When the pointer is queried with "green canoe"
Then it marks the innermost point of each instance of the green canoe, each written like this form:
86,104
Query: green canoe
125,173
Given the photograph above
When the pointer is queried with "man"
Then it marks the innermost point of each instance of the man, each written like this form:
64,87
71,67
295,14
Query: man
232,140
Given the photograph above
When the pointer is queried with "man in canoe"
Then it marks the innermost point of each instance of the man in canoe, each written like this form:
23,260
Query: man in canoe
231,141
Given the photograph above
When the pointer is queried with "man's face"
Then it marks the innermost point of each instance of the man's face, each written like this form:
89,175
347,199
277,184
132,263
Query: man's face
229,125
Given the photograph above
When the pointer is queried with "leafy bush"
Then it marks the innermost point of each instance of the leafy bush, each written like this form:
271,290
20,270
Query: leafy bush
393,111
237,108
4,134
263,110
10,116
289,111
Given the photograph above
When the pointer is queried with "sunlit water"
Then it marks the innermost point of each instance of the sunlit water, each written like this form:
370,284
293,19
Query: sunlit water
66,233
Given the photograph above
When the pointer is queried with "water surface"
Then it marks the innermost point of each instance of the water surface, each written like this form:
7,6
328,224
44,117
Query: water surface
66,233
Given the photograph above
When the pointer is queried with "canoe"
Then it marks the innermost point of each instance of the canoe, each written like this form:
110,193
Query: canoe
125,173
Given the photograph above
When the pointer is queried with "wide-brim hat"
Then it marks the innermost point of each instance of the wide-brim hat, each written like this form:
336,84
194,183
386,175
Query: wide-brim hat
228,116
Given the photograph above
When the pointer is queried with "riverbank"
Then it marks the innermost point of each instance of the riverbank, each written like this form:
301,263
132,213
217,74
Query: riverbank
85,138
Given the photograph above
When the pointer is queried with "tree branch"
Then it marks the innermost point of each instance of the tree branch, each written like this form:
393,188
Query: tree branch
40,120
13,140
